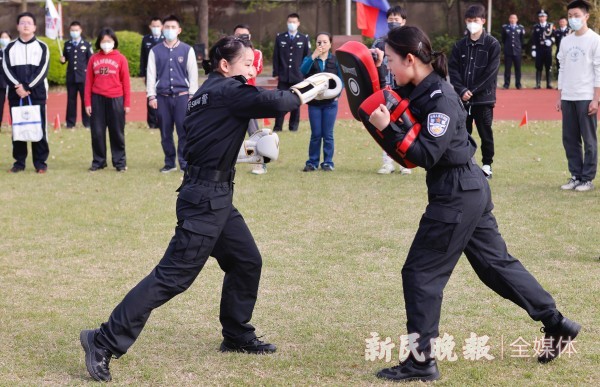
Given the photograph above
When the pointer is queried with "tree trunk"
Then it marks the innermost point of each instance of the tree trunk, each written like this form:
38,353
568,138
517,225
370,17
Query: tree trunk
203,23
23,5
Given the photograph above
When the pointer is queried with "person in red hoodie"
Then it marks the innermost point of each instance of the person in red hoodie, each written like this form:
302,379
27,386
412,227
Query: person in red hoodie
107,100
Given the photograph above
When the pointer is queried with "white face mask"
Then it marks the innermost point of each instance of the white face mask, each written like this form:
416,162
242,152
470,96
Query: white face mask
4,42
292,27
156,31
474,27
575,23
107,47
75,34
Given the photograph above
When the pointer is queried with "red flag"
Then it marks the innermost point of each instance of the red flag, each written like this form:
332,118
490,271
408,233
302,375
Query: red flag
371,17
524,120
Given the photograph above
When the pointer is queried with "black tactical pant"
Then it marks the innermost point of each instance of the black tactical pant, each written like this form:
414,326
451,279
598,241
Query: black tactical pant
484,117
543,60
207,225
72,90
108,112
294,114
459,219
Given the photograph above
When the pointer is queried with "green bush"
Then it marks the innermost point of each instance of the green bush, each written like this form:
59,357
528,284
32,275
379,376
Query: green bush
130,45
57,72
444,43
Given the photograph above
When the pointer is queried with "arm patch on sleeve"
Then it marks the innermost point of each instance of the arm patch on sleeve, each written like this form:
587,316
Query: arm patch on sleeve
437,124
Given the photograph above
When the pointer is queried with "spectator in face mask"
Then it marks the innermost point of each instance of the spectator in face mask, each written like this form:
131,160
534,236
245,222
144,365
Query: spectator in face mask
107,100
396,17
77,53
291,47
172,80
148,41
473,70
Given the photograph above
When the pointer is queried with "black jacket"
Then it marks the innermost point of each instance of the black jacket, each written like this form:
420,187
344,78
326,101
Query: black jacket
288,55
474,66
148,42
26,63
218,115
77,58
513,39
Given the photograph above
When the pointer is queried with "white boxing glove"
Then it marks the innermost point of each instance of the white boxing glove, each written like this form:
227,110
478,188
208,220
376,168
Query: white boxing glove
318,86
261,147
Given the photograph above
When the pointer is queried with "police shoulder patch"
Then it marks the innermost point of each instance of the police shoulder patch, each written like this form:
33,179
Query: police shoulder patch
437,124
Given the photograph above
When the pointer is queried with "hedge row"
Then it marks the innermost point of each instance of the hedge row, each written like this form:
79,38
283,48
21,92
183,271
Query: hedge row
129,45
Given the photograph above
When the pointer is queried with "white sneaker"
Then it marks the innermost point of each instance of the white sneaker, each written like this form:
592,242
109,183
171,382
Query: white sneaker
487,170
584,186
259,169
571,184
404,171
386,169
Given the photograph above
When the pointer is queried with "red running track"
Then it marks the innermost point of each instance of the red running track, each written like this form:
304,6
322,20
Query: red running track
510,105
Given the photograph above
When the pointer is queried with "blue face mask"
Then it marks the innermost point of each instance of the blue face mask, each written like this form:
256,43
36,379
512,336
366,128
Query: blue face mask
170,34
575,23
75,34
292,27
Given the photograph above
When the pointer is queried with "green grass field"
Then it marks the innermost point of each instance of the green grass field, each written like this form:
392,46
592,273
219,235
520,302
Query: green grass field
73,243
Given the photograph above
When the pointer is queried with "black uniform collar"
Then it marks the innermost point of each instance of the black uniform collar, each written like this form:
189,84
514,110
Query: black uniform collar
425,85
29,41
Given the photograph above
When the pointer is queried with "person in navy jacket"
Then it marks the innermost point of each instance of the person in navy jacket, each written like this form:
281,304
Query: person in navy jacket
291,47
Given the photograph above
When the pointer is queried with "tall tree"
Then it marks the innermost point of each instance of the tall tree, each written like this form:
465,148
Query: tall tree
202,18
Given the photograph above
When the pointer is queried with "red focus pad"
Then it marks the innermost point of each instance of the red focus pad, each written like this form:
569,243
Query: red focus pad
395,143
359,73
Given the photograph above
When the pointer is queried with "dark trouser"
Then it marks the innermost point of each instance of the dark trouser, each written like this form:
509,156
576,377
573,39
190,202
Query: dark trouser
171,111
108,112
577,125
483,116
459,219
2,99
39,150
508,62
294,114
543,60
72,90
214,227
322,121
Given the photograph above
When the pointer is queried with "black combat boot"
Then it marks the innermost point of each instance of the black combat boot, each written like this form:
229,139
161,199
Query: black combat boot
96,358
538,79
549,79
254,345
411,370
558,337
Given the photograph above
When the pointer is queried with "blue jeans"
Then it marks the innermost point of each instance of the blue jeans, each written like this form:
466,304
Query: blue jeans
322,121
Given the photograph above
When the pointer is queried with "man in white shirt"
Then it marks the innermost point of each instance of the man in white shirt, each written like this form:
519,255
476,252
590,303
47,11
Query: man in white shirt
579,95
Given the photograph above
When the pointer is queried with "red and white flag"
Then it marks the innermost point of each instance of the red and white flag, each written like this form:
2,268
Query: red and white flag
53,21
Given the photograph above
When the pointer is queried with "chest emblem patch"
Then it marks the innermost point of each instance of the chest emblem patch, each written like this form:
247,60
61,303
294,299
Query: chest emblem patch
437,124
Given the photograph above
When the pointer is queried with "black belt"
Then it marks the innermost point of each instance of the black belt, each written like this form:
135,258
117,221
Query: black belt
201,173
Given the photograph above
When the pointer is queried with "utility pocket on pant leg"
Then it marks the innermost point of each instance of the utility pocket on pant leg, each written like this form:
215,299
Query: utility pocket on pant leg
437,227
191,237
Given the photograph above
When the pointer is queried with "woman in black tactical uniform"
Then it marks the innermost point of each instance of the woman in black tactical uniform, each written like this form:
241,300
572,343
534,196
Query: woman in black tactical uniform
458,217
207,222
